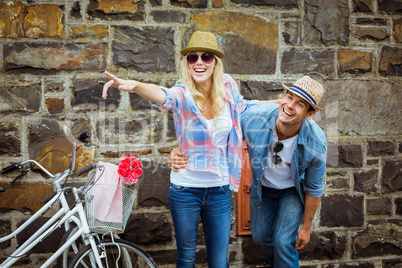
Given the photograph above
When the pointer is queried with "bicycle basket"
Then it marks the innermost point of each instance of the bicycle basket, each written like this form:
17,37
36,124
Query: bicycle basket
108,207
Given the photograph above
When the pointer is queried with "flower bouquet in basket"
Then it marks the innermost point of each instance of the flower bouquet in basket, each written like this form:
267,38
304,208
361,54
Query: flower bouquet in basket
130,169
113,196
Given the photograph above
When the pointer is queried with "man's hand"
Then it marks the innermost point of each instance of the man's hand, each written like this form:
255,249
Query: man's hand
177,160
303,237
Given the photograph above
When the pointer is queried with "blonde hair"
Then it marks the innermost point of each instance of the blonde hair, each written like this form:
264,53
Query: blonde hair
217,92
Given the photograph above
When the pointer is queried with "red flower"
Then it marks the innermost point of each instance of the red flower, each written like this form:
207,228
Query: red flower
130,169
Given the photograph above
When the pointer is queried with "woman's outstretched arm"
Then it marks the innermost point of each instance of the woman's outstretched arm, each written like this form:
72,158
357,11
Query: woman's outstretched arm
148,91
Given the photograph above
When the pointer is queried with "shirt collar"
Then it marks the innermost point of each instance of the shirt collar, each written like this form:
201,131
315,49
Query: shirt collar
228,94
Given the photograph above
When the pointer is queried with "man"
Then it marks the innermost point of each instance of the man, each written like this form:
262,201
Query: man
288,161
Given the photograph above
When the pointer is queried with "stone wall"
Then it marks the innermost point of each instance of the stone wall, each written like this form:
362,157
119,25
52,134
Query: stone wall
53,54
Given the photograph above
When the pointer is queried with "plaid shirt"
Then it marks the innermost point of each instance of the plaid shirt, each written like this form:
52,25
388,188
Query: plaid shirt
194,136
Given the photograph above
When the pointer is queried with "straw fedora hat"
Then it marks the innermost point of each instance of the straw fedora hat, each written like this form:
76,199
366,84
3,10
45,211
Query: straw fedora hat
203,41
308,89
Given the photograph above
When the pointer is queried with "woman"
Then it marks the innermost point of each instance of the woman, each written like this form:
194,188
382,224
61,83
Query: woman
206,108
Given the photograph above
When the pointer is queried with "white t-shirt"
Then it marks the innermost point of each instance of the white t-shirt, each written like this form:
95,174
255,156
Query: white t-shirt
279,176
219,128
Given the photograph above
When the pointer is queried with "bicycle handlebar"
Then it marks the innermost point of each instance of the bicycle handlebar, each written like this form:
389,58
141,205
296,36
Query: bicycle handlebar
83,136
85,170
10,168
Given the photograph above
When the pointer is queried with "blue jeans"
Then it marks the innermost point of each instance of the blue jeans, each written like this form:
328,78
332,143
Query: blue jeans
213,204
275,223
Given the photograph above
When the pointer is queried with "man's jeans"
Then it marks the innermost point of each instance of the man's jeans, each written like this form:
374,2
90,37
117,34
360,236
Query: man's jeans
275,223
214,206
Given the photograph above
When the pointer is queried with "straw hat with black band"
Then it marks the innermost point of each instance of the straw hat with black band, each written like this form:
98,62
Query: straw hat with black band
205,42
308,89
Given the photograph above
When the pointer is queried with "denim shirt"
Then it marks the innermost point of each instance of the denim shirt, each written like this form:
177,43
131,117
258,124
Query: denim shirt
308,164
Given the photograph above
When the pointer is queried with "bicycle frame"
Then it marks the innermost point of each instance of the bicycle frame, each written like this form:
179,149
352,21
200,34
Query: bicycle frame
64,215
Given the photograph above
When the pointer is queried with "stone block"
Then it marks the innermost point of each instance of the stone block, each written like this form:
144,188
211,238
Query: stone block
51,141
292,33
390,6
148,228
392,263
52,57
18,20
366,181
148,49
168,16
156,3
91,31
253,254
189,3
342,156
117,10
355,62
379,206
378,35
381,238
398,204
240,39
53,86
324,246
391,176
371,162
54,105
10,139
342,210
75,11
171,133
381,148
354,119
87,95
139,103
217,3
261,90
358,265
24,195
337,184
154,185
326,23
5,229
163,256
130,132
391,61
370,21
303,61
275,3
49,245
365,6
398,30
20,97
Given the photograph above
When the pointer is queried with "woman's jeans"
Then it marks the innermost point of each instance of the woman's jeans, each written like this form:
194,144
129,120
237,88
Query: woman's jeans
275,223
214,206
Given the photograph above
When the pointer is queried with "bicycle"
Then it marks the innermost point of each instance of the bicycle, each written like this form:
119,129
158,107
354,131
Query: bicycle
81,239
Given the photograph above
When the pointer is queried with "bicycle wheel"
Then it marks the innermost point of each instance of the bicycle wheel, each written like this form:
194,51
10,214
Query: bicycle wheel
117,253
65,259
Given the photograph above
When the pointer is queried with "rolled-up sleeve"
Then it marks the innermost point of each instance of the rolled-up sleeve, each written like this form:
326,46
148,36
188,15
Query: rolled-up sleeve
314,180
173,96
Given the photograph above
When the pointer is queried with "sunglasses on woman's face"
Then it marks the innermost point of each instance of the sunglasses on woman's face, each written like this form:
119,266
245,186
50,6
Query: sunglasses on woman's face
206,58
